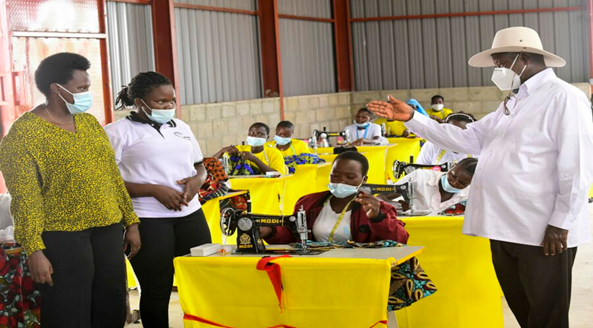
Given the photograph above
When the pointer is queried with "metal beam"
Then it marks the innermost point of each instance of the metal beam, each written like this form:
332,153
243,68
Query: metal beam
217,9
306,18
106,77
165,47
269,48
474,13
343,45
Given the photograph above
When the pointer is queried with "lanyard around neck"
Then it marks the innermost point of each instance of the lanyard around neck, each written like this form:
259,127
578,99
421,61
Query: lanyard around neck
366,129
333,231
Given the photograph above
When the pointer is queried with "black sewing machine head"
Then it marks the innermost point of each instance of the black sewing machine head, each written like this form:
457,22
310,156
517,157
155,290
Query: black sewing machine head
406,190
402,168
247,225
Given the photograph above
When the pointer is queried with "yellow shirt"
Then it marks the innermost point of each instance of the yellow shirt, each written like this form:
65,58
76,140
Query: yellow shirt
442,114
270,156
61,181
297,147
395,128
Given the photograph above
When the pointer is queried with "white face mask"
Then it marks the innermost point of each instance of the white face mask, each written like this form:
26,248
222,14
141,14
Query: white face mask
505,78
438,107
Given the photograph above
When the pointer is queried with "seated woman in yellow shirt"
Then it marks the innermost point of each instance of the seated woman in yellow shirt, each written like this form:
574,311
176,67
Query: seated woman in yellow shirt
255,158
438,112
294,151
393,128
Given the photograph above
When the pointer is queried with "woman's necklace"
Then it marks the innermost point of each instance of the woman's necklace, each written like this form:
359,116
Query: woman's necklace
53,119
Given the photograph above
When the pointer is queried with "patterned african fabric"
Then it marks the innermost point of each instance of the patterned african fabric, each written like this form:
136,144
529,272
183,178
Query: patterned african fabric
19,300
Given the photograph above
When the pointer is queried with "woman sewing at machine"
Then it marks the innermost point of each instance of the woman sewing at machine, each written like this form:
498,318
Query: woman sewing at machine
431,154
434,191
294,151
256,157
363,132
344,214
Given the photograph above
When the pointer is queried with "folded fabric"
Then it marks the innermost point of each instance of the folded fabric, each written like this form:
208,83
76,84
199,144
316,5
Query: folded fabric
294,160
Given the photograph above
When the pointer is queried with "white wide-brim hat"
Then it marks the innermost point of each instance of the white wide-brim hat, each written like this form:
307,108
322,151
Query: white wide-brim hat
516,39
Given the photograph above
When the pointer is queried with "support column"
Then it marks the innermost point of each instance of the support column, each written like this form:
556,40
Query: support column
343,44
165,43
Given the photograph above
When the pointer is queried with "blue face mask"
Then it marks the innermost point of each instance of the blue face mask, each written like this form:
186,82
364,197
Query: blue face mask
82,101
256,142
447,187
342,190
362,125
161,116
282,141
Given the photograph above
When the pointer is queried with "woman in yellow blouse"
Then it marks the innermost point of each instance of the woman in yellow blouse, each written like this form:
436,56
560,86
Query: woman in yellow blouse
284,142
294,151
69,202
437,110
258,156
393,128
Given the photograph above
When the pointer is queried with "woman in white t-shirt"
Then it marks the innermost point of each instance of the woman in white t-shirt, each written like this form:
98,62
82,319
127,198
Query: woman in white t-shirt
161,164
431,154
363,131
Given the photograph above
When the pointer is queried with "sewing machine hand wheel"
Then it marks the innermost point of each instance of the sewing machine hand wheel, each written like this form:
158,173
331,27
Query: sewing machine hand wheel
226,221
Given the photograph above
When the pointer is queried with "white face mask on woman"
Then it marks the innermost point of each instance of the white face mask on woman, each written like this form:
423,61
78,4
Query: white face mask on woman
438,107
505,78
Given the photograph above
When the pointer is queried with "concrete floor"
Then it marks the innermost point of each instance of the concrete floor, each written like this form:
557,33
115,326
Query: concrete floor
581,312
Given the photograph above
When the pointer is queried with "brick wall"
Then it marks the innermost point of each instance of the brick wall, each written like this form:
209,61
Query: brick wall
222,124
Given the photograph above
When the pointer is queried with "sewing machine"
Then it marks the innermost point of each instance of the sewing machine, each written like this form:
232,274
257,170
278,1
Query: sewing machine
399,168
325,135
406,190
247,226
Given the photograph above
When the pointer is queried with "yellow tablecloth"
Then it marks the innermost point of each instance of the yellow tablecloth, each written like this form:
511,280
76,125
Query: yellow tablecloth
316,292
266,193
461,267
404,148
304,182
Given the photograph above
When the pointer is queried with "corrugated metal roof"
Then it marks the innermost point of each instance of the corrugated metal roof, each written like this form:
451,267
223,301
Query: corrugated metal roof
308,8
218,53
433,52
131,49
307,52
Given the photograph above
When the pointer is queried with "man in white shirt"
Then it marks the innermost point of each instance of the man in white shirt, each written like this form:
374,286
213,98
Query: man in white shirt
363,131
436,191
431,154
531,183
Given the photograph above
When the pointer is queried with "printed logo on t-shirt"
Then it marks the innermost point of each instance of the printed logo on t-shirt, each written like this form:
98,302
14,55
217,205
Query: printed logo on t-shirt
180,135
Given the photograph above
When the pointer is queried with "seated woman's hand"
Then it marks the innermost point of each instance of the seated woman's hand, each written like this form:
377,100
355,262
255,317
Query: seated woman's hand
231,150
370,204
405,205
170,198
264,232
358,142
246,155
